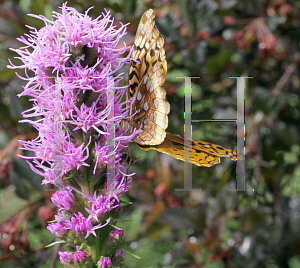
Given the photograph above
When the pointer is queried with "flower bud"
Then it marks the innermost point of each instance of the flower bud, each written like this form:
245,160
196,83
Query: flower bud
105,262
66,259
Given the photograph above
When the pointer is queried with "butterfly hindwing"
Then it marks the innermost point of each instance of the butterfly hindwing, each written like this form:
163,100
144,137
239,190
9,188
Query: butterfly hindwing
203,146
174,145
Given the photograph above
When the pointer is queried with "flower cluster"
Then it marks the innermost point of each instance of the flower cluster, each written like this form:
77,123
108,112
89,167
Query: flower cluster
76,104
266,40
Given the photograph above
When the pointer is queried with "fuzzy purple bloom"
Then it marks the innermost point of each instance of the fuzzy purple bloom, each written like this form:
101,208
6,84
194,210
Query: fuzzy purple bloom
63,199
105,262
66,258
116,234
81,225
58,228
79,255
99,207
121,255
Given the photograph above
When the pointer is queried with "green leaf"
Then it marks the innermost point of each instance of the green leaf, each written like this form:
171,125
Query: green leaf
22,190
185,218
132,229
54,243
82,245
116,227
171,75
133,255
15,204
294,262
7,74
14,105
217,63
290,158
64,217
177,58
24,171
128,6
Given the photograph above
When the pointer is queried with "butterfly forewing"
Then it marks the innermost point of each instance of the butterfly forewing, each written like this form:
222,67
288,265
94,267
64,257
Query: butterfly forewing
149,110
147,74
145,35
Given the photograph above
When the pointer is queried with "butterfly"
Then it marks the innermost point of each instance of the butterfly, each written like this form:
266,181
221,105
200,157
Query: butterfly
149,109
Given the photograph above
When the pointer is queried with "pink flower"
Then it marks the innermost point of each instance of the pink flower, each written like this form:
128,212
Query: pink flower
105,262
58,228
116,234
63,199
79,255
120,256
228,20
80,225
99,207
66,258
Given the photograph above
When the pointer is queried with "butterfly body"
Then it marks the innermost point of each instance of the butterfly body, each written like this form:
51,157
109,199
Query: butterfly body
149,110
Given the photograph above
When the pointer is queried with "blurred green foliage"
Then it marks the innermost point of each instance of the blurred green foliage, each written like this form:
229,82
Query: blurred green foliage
213,227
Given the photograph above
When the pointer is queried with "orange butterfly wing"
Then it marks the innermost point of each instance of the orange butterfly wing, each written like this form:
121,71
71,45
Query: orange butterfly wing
147,74
147,77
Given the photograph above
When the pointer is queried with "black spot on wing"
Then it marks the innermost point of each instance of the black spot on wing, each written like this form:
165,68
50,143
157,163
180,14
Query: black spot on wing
212,148
132,87
136,68
138,48
152,53
132,74
175,143
147,63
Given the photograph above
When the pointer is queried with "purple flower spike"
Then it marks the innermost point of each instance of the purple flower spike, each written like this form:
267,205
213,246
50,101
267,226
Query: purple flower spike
70,56
77,102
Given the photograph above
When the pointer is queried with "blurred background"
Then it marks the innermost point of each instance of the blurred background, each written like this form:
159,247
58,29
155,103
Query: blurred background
211,228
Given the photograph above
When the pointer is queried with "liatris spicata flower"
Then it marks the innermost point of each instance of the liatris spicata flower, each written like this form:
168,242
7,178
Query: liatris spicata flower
82,128
105,262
